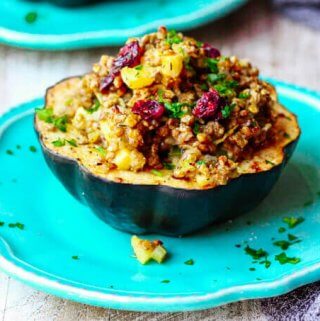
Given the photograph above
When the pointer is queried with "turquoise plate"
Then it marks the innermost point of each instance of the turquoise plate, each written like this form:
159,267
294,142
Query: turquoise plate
103,271
106,23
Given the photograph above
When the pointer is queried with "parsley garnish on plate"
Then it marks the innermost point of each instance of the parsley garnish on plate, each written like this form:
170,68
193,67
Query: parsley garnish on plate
189,262
281,229
293,221
282,258
31,17
9,152
32,149
1,223
165,281
18,225
75,257
227,110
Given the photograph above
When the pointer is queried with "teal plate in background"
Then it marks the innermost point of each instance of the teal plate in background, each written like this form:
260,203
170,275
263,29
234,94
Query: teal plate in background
105,23
56,227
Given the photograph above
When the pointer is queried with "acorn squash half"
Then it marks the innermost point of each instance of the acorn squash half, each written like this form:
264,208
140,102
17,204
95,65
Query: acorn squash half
144,203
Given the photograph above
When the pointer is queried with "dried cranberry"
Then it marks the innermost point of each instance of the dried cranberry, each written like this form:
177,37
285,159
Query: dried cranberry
106,82
129,56
148,109
210,51
209,106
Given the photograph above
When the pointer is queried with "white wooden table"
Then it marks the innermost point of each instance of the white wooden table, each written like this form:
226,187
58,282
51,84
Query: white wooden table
281,49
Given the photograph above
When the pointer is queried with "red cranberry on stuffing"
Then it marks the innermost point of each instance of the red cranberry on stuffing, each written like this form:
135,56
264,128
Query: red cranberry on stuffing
208,106
210,51
148,109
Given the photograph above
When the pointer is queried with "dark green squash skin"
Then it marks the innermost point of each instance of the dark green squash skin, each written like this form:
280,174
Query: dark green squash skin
141,209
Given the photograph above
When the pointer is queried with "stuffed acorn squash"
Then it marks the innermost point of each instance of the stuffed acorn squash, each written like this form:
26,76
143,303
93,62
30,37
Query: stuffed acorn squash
169,136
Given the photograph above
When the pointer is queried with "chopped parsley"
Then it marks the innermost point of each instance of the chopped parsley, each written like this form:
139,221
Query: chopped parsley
214,78
226,88
31,17
59,142
32,149
244,95
227,110
281,229
156,172
200,162
284,259
95,107
18,147
75,257
139,67
101,150
1,223
175,109
9,152
173,37
212,64
252,269
196,128
18,225
72,142
46,114
165,281
284,244
255,254
189,262
293,221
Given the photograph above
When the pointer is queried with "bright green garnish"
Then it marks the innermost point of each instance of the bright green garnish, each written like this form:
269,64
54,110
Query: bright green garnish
156,172
255,254
293,221
165,281
9,152
31,17
212,64
75,257
61,142
175,109
1,223
227,110
18,225
189,262
196,128
173,37
32,149
139,67
281,229
200,162
46,114
284,259
95,107
244,95
214,78
101,150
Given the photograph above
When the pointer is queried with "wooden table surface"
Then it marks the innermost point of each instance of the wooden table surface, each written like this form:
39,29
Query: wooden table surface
279,47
